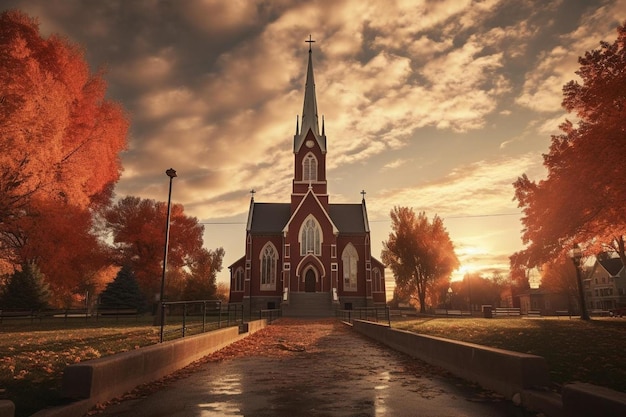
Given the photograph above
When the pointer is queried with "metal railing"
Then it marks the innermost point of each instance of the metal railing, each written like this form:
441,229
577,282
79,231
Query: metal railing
185,318
270,314
374,314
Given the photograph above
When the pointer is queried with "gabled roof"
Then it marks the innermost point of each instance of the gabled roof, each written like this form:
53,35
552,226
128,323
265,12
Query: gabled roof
274,217
317,200
349,218
268,217
613,266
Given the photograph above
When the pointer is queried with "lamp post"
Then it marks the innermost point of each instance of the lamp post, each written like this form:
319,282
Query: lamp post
576,255
450,296
172,174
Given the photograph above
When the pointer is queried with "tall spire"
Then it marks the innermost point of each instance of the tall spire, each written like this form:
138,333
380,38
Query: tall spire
309,120
309,110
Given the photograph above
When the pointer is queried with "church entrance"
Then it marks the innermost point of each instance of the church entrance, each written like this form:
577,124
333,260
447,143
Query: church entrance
309,281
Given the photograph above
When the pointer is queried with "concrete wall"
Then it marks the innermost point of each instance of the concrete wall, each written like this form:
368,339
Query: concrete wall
520,377
7,408
103,379
502,371
586,400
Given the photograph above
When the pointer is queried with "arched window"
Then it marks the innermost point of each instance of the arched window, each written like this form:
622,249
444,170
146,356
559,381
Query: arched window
310,237
268,259
238,280
309,168
350,259
377,280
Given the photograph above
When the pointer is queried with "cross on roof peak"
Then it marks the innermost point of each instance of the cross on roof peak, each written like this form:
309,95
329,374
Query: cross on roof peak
310,41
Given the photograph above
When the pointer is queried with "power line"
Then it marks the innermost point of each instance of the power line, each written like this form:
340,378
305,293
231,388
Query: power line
466,216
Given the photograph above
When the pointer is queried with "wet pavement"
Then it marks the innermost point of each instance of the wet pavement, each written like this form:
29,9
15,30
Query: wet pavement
312,368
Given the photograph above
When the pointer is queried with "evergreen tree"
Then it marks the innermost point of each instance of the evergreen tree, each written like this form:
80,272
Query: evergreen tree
26,289
123,291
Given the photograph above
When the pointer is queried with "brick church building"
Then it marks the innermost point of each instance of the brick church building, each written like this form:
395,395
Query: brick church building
307,257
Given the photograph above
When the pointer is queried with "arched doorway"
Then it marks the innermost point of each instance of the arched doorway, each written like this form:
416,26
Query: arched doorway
309,280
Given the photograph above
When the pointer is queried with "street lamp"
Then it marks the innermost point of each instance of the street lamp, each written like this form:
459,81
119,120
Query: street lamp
172,174
576,254
450,296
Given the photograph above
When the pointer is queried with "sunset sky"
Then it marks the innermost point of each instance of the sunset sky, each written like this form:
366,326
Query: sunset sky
435,105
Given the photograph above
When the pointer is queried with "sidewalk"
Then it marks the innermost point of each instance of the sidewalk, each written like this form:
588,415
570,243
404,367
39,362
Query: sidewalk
311,368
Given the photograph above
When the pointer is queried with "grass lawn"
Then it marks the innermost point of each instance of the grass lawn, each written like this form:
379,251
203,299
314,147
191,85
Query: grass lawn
575,350
33,356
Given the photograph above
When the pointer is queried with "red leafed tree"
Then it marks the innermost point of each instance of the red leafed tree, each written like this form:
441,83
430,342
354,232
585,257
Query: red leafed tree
582,199
61,138
59,153
60,239
138,231
201,277
419,252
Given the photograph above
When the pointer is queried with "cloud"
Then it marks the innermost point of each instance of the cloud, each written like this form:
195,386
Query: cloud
480,188
542,89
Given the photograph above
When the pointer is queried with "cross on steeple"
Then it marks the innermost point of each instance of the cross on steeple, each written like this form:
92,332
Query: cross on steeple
363,194
252,193
310,41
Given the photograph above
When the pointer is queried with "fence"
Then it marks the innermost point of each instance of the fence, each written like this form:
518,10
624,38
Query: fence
374,314
270,315
184,318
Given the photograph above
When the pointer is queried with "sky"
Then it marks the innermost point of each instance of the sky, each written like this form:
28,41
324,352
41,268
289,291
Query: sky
435,105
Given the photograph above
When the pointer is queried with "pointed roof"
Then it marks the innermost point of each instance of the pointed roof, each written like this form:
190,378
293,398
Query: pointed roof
612,265
310,120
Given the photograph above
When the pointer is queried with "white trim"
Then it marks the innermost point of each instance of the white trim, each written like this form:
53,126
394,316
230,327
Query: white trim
293,215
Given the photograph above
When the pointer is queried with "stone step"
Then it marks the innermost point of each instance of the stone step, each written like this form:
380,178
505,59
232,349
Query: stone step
309,305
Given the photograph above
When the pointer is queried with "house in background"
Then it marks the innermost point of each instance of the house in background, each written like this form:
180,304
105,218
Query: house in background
546,302
307,256
605,285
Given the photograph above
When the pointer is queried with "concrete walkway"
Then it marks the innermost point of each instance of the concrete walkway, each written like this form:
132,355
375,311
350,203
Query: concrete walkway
312,368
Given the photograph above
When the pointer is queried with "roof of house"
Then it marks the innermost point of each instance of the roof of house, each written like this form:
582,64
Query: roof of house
269,217
272,217
613,266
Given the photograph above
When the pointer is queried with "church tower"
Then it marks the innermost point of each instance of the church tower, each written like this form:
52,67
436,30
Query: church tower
309,146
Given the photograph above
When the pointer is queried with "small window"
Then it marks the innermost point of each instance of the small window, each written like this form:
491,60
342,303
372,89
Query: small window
334,267
333,251
238,280
287,266
268,261
309,168
287,250
350,260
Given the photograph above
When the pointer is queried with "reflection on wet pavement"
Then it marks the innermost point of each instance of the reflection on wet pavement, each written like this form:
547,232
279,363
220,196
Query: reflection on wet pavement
343,374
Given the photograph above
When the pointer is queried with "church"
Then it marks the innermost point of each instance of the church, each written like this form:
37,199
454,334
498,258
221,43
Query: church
307,257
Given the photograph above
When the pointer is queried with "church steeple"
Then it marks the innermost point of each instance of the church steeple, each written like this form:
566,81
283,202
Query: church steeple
310,120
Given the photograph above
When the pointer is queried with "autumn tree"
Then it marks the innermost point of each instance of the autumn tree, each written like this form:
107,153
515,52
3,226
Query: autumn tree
202,274
476,290
60,141
419,252
559,277
60,238
54,121
137,228
582,199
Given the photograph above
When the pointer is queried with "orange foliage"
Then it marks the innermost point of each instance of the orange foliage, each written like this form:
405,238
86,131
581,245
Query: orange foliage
582,199
54,121
420,254
59,154
138,229
58,238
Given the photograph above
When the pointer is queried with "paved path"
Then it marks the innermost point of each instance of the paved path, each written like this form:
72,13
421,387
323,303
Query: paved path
311,368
